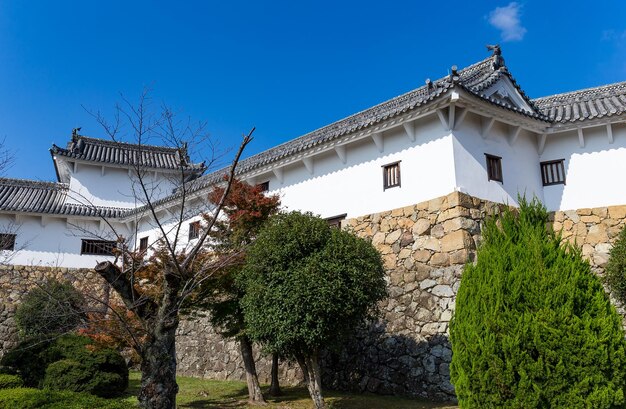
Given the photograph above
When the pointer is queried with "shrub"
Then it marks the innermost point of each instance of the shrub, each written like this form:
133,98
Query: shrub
53,308
616,268
533,326
10,381
27,398
70,362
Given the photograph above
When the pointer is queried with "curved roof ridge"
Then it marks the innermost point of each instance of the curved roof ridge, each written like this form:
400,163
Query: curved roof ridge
32,183
589,90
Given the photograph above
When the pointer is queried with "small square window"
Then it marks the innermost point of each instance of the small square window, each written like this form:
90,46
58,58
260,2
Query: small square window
7,241
494,167
194,230
391,175
143,244
264,187
553,172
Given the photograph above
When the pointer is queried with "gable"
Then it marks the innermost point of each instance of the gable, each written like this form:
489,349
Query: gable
505,92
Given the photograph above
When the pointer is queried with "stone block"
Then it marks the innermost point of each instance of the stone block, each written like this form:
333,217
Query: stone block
378,238
428,283
459,256
460,199
432,244
421,255
406,239
437,231
457,240
452,213
583,212
393,236
440,260
590,219
601,212
597,234
442,291
617,212
421,227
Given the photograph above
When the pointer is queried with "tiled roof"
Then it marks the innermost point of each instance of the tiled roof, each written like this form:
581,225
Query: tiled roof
591,103
474,78
28,196
126,154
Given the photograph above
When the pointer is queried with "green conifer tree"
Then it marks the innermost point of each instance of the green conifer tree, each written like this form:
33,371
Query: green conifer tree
533,327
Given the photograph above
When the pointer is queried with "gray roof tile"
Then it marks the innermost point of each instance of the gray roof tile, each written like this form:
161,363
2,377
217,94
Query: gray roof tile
29,196
126,154
586,104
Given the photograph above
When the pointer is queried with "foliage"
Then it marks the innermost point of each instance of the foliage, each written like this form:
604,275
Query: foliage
27,398
53,308
119,329
99,371
307,285
616,268
533,326
246,209
10,381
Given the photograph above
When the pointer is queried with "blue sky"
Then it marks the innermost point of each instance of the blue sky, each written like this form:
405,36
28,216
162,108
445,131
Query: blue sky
285,67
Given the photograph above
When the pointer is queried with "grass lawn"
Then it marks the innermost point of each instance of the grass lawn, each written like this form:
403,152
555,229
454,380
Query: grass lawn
202,393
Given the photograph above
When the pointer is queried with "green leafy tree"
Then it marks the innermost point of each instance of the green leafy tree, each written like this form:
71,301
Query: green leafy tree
533,327
307,286
50,309
616,268
246,208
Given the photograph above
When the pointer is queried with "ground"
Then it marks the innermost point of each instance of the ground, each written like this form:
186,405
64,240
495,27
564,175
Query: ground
202,393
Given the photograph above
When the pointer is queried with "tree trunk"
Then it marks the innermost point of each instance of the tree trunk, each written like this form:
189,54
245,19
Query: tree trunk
158,371
312,378
275,385
255,396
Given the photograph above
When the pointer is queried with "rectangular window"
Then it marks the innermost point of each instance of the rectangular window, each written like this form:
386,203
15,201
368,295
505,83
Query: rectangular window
391,175
335,221
553,172
143,244
264,187
194,230
97,247
7,241
494,167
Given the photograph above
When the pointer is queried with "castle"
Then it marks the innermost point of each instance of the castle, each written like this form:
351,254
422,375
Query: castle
415,174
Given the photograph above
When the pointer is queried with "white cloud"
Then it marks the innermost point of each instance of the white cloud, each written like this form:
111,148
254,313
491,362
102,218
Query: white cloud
507,20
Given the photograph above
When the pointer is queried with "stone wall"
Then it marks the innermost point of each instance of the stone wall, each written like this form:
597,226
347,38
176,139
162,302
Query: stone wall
15,281
406,351
424,248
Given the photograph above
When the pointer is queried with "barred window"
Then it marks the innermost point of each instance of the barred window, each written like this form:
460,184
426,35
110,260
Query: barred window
264,187
143,244
494,167
7,241
553,172
194,230
391,175
97,247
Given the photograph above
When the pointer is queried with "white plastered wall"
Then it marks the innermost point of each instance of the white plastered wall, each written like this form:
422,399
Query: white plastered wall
520,162
53,241
356,187
594,172
115,187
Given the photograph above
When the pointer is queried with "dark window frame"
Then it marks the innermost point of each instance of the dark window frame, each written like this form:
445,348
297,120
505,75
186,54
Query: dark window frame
387,182
143,244
494,168
553,172
264,186
194,230
7,241
94,247
335,221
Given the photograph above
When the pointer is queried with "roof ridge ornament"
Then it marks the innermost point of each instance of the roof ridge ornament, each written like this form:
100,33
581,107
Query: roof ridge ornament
498,61
454,74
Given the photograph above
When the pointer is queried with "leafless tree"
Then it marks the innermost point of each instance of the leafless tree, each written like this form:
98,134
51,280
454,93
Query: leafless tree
155,288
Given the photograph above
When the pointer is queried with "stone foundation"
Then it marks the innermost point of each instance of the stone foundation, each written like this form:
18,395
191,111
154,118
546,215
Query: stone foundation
406,351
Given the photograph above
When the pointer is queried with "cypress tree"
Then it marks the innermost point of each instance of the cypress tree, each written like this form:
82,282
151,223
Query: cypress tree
533,327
